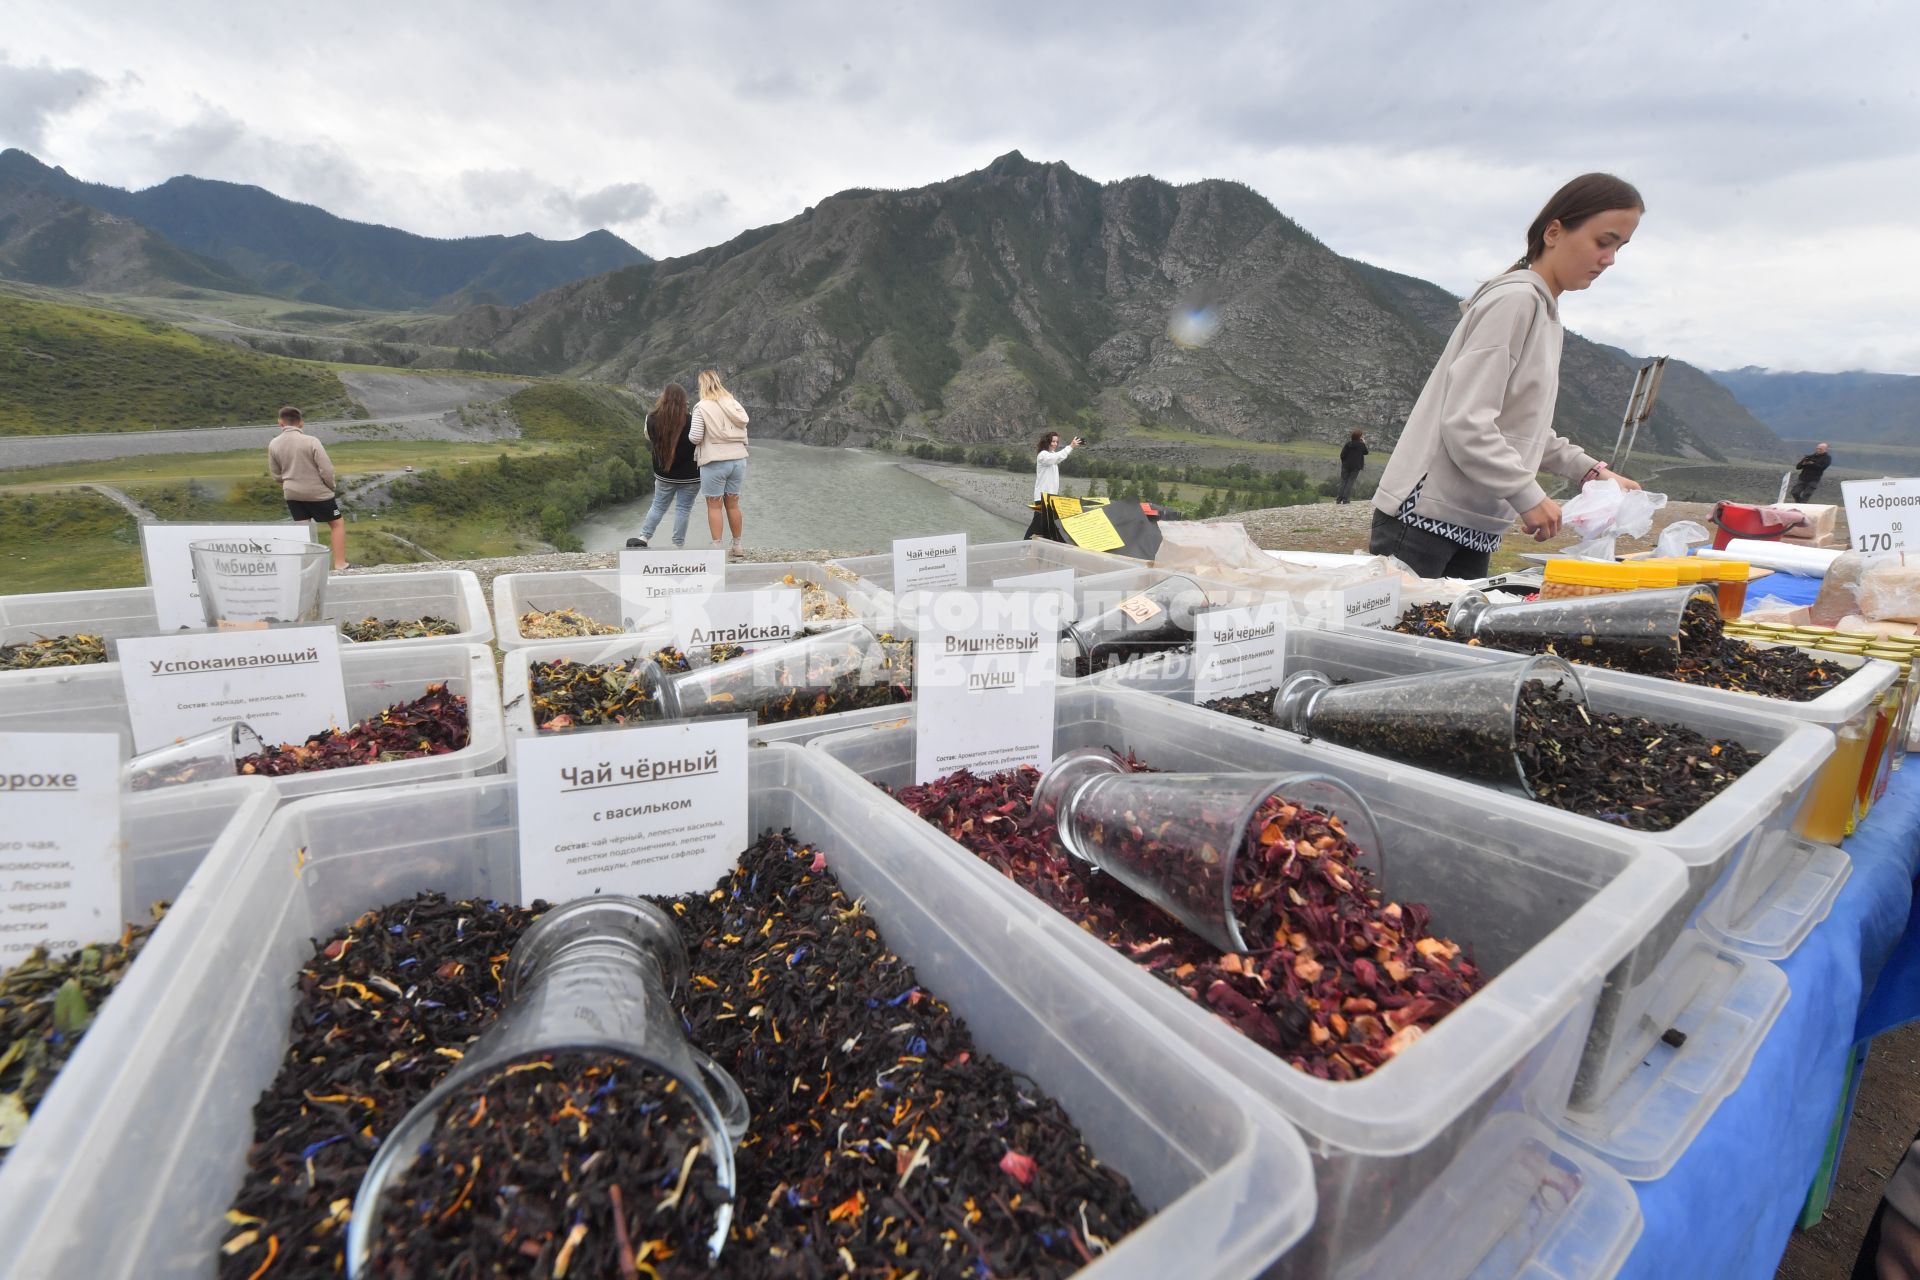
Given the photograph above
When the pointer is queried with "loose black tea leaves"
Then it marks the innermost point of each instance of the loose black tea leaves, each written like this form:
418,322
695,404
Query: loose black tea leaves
46,1005
881,1141
1707,657
577,1164
1627,770
1339,980
434,724
77,650
368,630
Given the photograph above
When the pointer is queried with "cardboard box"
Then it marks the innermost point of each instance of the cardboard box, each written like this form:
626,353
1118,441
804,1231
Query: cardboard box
1819,528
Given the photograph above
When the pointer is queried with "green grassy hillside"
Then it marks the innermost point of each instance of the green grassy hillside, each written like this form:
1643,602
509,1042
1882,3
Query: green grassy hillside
65,542
70,369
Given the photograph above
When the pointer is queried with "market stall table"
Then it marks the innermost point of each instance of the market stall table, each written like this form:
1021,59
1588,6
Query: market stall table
1727,1207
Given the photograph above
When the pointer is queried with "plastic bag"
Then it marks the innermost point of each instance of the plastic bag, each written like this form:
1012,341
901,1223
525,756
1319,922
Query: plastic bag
1890,589
1838,591
1603,512
1677,537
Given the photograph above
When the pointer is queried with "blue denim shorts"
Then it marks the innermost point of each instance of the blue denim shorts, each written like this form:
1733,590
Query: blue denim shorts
718,479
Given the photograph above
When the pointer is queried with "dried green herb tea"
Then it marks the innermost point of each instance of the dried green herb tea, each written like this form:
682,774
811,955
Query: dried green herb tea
46,1005
370,629
562,624
76,650
568,694
1707,657
434,724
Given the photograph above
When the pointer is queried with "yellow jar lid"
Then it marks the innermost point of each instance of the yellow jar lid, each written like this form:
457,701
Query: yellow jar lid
1657,575
1589,573
1730,570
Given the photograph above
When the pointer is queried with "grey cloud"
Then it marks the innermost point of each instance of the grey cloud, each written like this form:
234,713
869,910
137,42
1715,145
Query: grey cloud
32,95
619,202
490,189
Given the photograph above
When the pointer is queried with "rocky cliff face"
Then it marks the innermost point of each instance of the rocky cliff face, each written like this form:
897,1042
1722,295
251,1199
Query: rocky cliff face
1026,296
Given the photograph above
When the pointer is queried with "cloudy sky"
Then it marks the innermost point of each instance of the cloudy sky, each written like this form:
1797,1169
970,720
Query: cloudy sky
1777,144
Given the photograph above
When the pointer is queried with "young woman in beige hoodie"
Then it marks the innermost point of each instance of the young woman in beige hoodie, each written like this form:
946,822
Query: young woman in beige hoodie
1467,460
719,435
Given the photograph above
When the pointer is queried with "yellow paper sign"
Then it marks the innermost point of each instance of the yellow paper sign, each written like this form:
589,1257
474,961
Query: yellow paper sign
1093,531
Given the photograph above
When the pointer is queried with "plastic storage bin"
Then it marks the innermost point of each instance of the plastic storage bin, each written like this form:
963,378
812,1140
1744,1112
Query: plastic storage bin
168,836
1752,886
517,698
453,594
141,1192
1546,911
92,699
987,561
596,593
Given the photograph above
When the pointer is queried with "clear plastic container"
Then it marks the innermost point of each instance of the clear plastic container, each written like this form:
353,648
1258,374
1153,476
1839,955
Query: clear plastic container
1646,626
138,1191
1753,886
117,612
1543,906
1463,723
516,686
170,839
987,561
595,593
93,699
283,581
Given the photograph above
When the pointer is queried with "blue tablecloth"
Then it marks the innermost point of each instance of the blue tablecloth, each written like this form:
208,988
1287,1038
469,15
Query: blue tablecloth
1728,1205
1787,587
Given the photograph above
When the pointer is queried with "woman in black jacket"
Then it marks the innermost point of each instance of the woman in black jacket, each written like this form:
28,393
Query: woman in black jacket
676,476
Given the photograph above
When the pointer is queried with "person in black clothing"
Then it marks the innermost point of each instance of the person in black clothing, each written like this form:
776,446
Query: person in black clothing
1811,468
1353,456
676,476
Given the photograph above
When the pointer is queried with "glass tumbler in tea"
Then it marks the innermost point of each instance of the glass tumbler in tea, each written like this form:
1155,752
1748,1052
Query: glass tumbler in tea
259,581
844,669
1653,627
1178,839
1461,723
1158,616
592,976
216,753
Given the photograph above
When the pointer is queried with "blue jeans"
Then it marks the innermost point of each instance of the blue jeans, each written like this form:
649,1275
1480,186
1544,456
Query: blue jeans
722,479
681,494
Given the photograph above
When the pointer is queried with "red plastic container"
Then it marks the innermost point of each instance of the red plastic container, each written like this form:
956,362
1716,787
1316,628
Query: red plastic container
1740,520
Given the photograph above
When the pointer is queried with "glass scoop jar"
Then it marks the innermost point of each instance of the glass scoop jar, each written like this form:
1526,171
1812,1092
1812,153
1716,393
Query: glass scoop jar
1649,629
1157,617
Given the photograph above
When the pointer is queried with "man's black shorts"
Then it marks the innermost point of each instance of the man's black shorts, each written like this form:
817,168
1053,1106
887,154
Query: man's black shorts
326,510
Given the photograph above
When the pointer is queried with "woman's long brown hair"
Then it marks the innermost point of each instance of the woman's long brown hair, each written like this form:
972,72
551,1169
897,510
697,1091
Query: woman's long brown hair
665,425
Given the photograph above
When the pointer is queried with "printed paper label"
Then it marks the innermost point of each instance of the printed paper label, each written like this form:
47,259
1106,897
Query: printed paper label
1239,651
751,618
654,809
1139,608
923,563
176,599
983,693
1369,604
285,684
1883,515
651,580
60,843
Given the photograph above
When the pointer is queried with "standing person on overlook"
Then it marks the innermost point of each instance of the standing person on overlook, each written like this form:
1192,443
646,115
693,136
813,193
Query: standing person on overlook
1811,468
300,464
1465,465
1353,456
719,434
1047,457
676,476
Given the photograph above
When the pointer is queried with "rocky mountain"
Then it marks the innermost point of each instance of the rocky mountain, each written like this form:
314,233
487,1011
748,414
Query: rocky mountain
280,246
1026,295
1869,408
47,239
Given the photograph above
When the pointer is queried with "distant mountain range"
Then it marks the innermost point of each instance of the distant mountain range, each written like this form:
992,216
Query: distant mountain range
59,230
1026,295
1865,408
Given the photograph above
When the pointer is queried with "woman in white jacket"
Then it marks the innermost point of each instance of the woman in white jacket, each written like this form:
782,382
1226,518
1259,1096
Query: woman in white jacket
1465,464
719,435
1048,456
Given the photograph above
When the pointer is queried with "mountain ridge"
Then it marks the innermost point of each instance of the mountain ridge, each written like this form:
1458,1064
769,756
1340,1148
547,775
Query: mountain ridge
1024,295
1857,406
301,251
